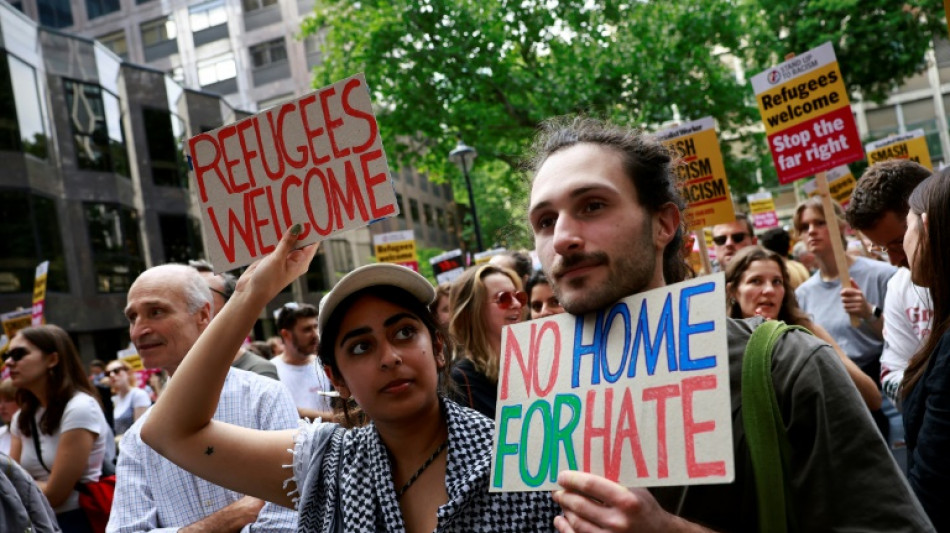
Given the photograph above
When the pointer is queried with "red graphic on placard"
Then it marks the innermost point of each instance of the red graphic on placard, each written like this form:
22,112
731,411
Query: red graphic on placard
816,145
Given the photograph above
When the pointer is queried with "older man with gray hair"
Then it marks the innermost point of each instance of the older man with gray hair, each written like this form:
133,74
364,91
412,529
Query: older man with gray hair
168,308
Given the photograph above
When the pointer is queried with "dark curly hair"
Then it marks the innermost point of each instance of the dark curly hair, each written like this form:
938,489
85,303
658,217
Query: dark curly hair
883,187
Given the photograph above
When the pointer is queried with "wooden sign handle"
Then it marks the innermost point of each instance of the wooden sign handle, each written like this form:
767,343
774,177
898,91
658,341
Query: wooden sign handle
700,236
834,235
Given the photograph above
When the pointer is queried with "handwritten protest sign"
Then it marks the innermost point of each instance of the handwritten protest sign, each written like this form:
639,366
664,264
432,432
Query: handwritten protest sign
700,172
448,266
317,161
397,247
807,115
638,393
38,317
911,145
762,210
841,184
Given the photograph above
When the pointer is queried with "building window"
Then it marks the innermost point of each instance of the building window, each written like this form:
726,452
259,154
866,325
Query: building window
116,248
402,210
29,230
407,175
116,42
317,275
207,15
55,13
158,31
166,162
269,53
342,256
21,116
427,209
440,218
97,128
181,238
424,182
414,210
98,8
254,5
216,69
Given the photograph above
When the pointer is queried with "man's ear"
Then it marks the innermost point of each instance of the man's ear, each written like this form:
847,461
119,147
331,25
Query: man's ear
205,314
666,221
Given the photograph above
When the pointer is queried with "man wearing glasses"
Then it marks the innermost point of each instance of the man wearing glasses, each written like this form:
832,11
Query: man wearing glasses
878,209
731,237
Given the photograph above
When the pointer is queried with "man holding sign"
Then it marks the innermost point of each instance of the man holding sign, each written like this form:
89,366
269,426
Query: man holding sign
606,217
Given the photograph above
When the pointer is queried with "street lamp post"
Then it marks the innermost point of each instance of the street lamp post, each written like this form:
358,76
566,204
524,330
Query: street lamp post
461,156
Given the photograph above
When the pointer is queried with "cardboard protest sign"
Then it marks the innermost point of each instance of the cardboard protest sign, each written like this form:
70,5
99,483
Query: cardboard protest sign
483,257
700,172
762,210
841,184
638,393
318,161
807,115
14,321
448,266
911,145
397,247
39,294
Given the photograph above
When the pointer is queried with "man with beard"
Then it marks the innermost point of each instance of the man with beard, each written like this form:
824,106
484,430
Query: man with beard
730,237
606,217
168,307
299,369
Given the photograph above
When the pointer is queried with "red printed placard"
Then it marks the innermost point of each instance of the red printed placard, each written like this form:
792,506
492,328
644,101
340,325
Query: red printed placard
317,161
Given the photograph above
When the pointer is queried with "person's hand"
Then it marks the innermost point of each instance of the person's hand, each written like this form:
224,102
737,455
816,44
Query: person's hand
594,503
269,275
854,302
246,510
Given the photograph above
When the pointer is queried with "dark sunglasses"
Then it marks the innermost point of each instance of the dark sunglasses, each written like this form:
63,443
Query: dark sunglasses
736,238
16,354
505,299
114,371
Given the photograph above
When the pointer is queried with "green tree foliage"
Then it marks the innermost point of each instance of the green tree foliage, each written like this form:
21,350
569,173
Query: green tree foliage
492,70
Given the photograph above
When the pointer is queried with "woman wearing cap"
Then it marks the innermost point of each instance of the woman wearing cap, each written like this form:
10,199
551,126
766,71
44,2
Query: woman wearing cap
483,301
422,464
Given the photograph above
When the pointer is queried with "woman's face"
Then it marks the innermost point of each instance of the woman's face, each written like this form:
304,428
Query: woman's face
386,360
761,290
543,302
911,237
28,364
442,312
118,377
814,231
498,314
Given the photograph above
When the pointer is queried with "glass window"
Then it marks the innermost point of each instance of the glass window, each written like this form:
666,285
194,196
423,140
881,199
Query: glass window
158,31
402,210
414,209
21,117
98,8
216,69
97,128
424,182
268,53
440,218
29,230
254,5
116,42
427,209
55,13
207,15
317,275
181,239
116,248
407,175
163,152
342,256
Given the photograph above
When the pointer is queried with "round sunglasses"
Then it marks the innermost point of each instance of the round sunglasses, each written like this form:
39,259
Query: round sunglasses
505,299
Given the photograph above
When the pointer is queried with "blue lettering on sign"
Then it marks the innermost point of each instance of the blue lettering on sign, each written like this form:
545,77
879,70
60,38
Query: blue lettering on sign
664,331
687,329
581,349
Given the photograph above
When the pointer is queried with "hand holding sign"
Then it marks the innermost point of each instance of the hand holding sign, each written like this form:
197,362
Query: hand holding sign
266,277
591,502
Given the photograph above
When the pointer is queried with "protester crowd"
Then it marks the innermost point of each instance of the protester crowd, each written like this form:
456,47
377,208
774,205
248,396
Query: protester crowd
375,410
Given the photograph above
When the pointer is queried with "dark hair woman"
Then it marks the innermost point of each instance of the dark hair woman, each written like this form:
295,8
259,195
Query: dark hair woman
60,417
926,385
757,284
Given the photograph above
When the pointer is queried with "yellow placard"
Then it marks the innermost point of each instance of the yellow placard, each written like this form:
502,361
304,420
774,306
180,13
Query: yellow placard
701,175
134,361
396,252
912,146
14,321
803,98
764,205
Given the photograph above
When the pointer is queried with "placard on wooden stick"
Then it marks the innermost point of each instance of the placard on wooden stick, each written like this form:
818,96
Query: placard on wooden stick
638,393
317,160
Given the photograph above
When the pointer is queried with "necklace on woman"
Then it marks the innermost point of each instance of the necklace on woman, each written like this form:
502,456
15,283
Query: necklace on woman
422,468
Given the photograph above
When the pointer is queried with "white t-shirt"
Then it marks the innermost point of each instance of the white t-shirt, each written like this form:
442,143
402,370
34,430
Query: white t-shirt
82,412
908,312
123,408
5,439
304,382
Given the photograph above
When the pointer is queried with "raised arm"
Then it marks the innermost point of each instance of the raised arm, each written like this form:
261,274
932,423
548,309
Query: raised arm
180,425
